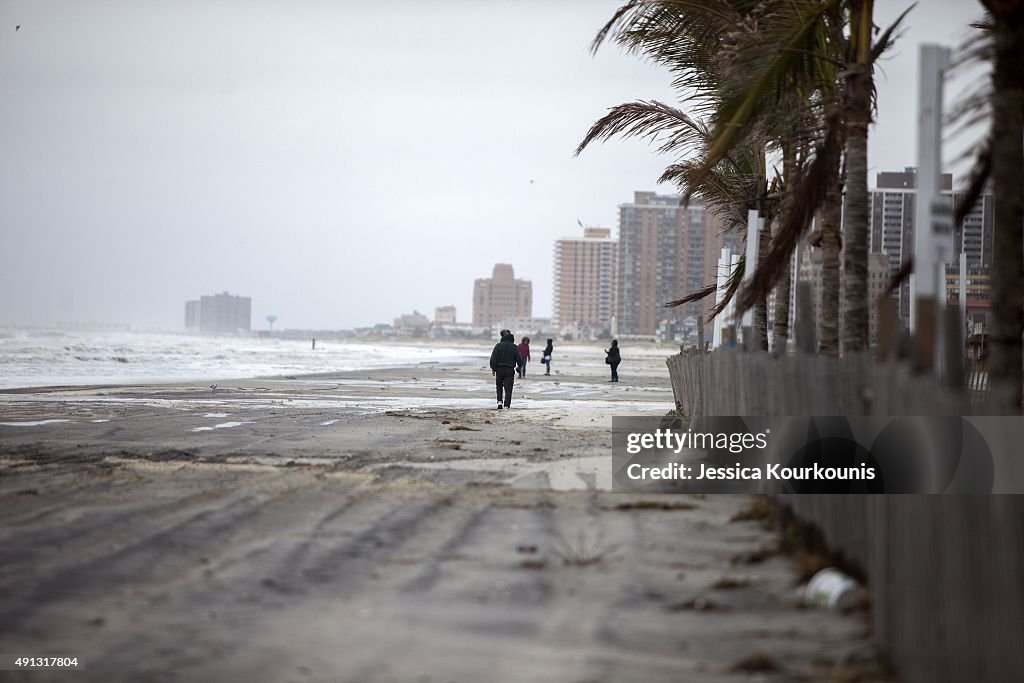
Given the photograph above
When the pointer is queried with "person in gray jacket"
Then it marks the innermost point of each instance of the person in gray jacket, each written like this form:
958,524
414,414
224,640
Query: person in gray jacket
505,361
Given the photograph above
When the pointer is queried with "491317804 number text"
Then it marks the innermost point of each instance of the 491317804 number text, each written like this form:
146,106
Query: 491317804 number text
46,662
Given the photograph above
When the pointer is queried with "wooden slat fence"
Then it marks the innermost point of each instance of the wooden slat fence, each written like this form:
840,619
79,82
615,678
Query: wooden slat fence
946,572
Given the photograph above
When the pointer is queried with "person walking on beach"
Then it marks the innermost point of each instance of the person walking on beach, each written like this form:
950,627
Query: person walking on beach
613,359
524,355
505,360
545,357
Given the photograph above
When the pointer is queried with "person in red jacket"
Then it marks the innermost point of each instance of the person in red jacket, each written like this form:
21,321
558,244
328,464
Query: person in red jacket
524,353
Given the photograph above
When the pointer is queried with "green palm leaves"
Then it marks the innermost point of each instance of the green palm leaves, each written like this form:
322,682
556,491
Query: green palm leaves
761,83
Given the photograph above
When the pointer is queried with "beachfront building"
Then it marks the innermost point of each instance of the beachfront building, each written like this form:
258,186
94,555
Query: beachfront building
535,328
457,331
413,324
650,247
219,314
584,280
975,236
444,315
666,251
501,296
892,216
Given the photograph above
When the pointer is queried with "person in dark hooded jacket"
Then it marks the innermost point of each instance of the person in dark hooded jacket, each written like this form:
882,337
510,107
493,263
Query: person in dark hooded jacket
545,357
505,361
613,359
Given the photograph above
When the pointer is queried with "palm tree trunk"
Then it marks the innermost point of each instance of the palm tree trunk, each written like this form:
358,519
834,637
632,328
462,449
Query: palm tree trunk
761,307
855,212
1008,186
828,321
857,109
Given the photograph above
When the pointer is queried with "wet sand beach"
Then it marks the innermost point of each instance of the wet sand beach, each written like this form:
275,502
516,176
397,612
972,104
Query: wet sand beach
384,525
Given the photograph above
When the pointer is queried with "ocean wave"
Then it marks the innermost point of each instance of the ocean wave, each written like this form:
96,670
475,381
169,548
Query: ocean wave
122,357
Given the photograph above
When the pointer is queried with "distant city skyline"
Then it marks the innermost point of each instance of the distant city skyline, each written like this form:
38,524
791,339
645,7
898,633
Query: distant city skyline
341,164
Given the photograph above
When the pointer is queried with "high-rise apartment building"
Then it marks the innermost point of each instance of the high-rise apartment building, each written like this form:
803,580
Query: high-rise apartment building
501,296
666,251
892,216
584,287
975,236
219,314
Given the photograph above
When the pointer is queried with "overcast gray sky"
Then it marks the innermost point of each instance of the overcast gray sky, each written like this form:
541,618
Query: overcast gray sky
339,162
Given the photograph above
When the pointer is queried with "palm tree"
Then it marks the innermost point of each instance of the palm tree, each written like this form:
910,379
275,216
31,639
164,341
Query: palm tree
1002,160
734,186
736,61
831,246
857,104
793,68
689,38
1008,185
818,44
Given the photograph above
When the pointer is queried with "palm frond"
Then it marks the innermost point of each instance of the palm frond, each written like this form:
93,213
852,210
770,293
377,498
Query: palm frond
681,35
973,108
979,176
798,214
727,191
614,23
652,120
732,285
906,268
693,296
888,37
765,65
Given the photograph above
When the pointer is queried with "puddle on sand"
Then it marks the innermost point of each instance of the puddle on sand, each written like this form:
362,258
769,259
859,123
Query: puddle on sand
222,425
34,423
